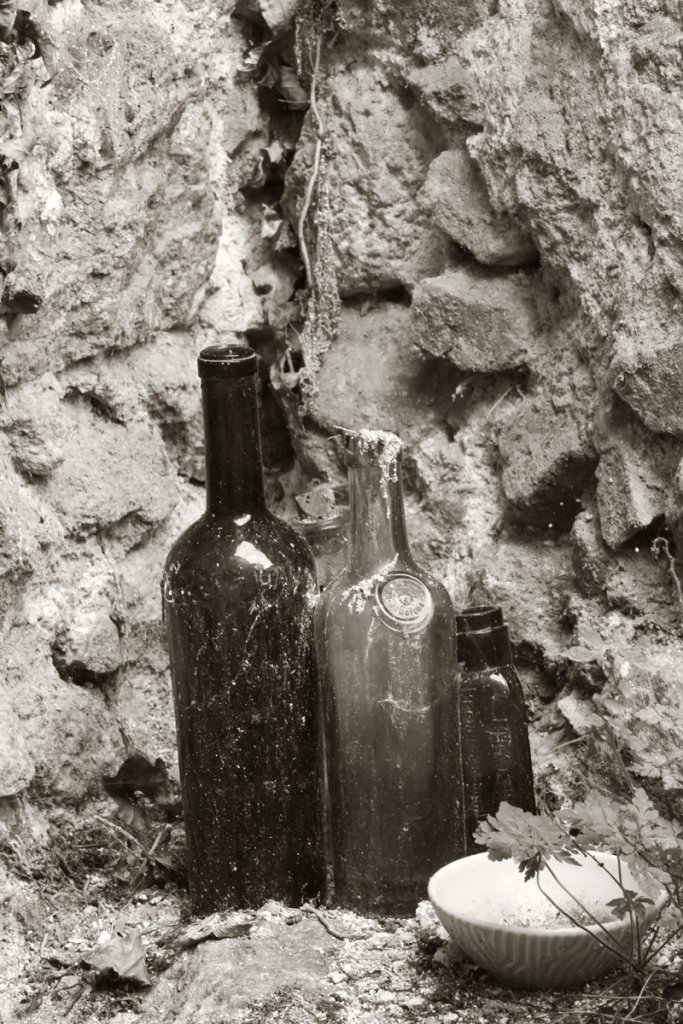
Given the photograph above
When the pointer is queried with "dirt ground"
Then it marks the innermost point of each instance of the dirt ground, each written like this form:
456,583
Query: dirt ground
96,927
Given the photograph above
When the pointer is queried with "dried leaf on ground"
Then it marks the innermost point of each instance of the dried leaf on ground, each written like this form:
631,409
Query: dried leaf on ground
216,926
122,958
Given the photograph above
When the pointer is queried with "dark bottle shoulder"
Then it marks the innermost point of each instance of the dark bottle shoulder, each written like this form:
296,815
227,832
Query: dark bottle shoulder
501,679
249,541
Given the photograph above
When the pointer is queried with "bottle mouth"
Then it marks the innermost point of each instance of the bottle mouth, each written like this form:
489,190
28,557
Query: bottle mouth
484,648
479,618
334,524
370,447
226,362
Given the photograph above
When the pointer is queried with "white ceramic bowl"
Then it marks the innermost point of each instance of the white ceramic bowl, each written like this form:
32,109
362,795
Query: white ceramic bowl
501,921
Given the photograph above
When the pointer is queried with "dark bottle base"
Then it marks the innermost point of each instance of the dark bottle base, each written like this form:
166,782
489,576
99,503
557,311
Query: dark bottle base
215,896
396,905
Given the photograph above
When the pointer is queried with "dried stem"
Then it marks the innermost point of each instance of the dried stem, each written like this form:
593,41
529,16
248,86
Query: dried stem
309,908
659,545
578,903
577,924
317,155
122,831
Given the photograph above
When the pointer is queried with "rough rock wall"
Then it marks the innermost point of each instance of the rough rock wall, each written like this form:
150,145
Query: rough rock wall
492,190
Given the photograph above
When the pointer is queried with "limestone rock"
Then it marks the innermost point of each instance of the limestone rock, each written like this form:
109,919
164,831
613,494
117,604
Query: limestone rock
118,208
230,301
455,196
277,14
89,647
478,321
16,766
68,731
27,525
111,474
674,509
548,461
592,560
628,579
646,372
530,582
374,377
220,978
30,418
166,373
8,12
380,237
449,90
633,475
426,30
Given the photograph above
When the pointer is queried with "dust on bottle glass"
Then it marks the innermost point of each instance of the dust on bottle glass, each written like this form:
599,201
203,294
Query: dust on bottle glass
385,636
238,592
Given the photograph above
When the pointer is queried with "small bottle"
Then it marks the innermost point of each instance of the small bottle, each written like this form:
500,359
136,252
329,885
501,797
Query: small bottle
385,636
495,738
238,592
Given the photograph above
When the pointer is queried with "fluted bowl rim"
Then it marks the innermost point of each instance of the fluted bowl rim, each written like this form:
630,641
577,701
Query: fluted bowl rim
465,864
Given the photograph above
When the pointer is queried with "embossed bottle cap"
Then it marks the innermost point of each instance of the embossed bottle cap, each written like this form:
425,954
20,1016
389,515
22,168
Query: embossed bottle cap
403,602
226,362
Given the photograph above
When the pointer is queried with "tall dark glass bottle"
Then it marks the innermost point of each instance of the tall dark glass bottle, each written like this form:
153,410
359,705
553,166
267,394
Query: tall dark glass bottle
385,636
239,588
495,737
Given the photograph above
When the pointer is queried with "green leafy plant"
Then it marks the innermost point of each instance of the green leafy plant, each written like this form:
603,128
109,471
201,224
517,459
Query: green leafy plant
635,832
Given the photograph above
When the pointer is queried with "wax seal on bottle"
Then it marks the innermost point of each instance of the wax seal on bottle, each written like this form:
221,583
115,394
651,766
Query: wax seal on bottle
403,602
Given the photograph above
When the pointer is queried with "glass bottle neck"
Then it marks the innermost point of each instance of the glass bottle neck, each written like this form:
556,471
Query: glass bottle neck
485,648
378,530
234,475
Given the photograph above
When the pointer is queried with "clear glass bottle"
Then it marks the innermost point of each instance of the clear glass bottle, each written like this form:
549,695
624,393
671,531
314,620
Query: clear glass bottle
495,737
238,592
385,636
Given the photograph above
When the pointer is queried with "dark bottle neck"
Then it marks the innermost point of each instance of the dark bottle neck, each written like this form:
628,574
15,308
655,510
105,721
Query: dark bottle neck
378,529
234,475
485,648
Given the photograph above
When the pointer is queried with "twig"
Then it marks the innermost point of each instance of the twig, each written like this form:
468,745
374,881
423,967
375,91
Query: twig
652,953
162,835
65,867
659,545
325,923
310,187
630,919
612,739
581,907
629,1015
497,402
577,924
75,1000
124,831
